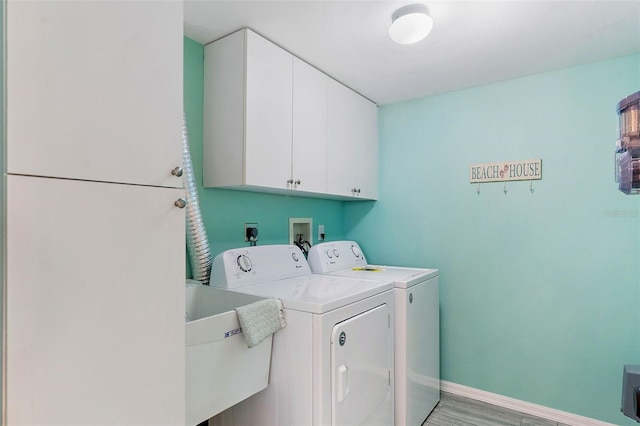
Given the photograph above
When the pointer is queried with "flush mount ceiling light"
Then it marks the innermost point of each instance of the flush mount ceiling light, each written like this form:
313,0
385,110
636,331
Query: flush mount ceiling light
410,24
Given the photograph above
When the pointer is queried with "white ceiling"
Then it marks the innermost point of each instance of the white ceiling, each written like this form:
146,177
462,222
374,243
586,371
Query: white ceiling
472,42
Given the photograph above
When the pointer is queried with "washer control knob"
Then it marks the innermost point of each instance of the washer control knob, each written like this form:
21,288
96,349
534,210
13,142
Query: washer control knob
336,253
244,263
328,253
295,256
355,251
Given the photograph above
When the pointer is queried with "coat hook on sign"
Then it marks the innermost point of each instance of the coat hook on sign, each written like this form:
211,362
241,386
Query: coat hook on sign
505,188
531,186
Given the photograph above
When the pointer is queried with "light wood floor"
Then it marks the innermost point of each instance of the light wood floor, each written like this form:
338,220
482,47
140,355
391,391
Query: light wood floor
453,410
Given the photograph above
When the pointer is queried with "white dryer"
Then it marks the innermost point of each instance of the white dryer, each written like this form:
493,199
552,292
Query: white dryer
333,362
417,325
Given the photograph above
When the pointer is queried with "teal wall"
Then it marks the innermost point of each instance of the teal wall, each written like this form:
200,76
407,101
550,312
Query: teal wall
225,212
540,292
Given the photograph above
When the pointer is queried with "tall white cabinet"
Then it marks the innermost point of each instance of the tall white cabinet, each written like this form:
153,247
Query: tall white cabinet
94,249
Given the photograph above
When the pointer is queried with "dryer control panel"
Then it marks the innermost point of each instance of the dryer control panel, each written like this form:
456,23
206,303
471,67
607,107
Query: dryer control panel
329,257
252,265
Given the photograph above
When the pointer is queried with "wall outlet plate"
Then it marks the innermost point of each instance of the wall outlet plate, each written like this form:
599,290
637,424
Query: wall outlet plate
251,232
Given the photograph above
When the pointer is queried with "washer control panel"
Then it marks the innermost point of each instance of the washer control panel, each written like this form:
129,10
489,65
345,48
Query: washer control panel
252,265
329,257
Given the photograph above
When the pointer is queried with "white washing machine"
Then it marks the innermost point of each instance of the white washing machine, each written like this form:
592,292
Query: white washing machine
417,325
333,362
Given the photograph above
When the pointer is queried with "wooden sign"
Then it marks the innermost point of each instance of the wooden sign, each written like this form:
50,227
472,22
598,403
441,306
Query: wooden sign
506,171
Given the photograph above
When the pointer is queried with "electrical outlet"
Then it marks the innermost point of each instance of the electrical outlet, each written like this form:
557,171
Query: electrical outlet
321,233
251,232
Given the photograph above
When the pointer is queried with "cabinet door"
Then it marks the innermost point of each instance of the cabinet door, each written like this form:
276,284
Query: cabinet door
95,303
366,147
269,78
223,110
309,165
95,89
352,149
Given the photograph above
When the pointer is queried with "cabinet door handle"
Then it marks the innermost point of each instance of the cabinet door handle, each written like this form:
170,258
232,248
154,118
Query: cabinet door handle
180,203
297,182
177,171
290,181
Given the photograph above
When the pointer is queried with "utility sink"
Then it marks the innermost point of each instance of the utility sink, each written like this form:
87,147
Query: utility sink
221,369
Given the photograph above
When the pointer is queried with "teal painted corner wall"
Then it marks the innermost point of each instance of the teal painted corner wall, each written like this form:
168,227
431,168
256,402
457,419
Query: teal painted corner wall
540,292
224,212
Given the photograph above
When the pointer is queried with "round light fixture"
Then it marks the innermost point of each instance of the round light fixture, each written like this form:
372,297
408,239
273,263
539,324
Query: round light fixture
410,24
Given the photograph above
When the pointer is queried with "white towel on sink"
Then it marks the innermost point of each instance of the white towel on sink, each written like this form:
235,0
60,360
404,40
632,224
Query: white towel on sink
261,319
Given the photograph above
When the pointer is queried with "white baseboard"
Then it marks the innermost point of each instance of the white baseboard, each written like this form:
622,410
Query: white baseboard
521,406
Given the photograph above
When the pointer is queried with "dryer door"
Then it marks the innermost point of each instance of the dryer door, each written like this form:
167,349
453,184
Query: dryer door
361,369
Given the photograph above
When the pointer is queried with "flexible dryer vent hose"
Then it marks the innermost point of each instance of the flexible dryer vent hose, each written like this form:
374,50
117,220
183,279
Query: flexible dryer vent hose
197,242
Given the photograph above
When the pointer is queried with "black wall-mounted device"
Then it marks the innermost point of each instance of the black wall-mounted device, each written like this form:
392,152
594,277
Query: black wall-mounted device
631,392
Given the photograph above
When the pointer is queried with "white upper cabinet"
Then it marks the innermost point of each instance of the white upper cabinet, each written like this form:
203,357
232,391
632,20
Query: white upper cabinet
353,146
267,122
248,113
95,90
309,165
269,73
